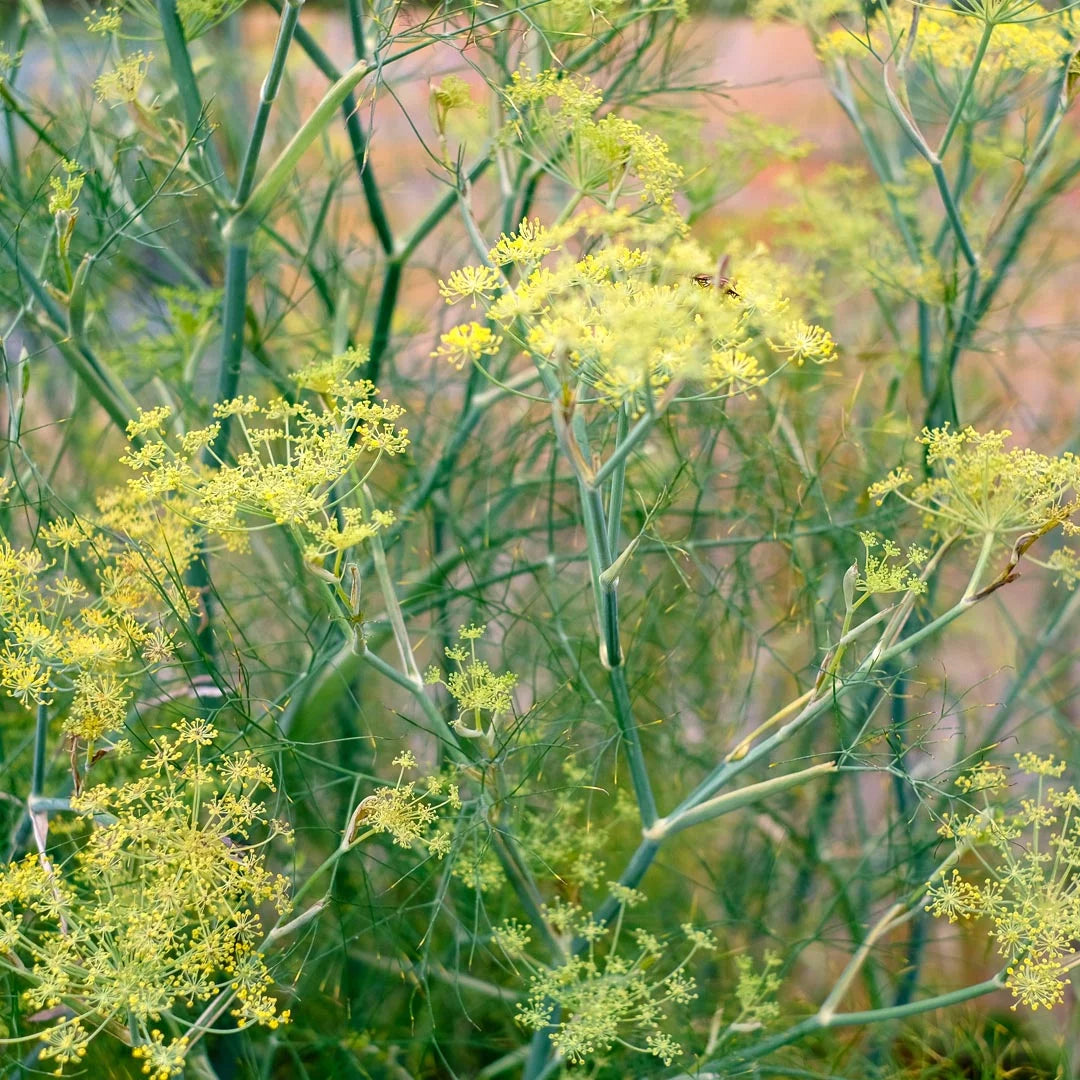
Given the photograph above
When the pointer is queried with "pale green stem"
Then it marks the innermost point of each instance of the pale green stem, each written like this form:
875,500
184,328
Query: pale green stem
393,608
896,916
618,488
940,179
267,94
734,800
966,89
817,1023
829,691
187,89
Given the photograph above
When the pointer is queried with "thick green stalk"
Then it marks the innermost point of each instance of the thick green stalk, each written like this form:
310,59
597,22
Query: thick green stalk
618,490
734,800
41,743
250,213
356,26
934,160
625,448
232,341
187,88
607,605
234,308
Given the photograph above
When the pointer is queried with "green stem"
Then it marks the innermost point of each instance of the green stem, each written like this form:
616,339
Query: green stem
625,448
41,742
618,489
12,106
855,1019
187,88
965,91
384,317
357,139
109,392
432,714
232,342
268,92
735,800
831,690
259,202
356,27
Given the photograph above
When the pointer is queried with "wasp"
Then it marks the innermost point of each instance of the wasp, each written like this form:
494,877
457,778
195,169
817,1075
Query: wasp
720,280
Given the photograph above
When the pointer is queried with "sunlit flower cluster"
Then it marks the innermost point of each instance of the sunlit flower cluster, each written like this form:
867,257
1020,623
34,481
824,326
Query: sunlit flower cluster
639,313
154,916
886,570
123,83
1030,870
79,629
948,39
552,119
299,465
980,488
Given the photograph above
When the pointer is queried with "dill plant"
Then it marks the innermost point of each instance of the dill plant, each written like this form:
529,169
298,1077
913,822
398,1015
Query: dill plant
447,574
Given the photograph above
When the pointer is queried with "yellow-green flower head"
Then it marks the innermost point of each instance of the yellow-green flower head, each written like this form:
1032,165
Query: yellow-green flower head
980,488
296,453
552,119
639,311
156,910
481,694
596,1000
88,643
123,83
1025,892
948,40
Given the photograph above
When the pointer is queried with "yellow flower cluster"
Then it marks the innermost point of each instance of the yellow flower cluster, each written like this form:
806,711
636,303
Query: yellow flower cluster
298,467
65,192
979,488
406,811
155,913
123,83
885,570
637,314
60,636
104,24
553,122
948,39
479,693
600,998
1031,863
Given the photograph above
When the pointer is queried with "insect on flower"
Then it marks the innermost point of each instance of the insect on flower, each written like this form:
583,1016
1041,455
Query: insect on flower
720,280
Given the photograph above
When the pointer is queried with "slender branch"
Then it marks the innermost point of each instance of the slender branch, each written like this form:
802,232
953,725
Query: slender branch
817,1022
267,95
966,89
